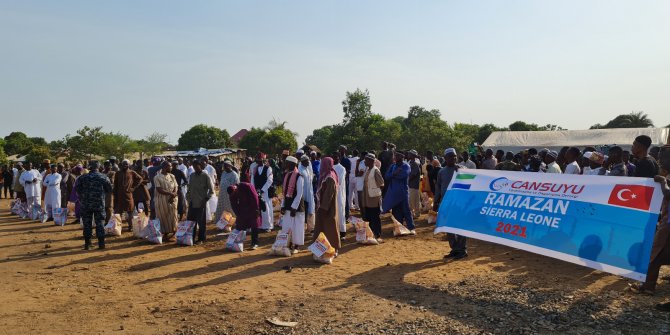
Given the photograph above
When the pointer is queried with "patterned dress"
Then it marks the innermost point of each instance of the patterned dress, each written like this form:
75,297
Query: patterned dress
227,179
166,208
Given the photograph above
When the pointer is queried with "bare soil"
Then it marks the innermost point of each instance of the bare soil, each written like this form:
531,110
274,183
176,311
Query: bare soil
403,286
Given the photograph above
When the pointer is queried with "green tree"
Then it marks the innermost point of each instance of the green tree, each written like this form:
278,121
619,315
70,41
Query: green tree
523,126
277,140
551,127
153,143
252,140
3,155
428,123
321,137
377,130
38,154
17,143
356,106
86,143
485,131
632,120
272,139
116,144
203,136
38,141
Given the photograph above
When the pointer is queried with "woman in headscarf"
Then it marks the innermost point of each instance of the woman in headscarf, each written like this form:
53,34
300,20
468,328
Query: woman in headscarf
165,202
326,206
228,178
244,201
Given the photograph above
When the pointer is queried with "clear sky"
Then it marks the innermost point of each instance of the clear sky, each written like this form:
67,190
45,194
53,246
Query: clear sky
144,66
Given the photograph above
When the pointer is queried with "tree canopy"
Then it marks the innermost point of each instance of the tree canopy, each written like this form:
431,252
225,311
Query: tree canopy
203,136
17,143
272,139
632,120
3,155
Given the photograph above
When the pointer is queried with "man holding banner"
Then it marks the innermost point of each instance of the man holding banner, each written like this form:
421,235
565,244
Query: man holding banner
606,223
660,252
457,243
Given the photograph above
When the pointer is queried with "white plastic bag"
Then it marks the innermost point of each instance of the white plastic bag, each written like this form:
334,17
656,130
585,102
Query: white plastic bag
140,223
226,221
60,216
153,232
114,226
280,247
322,249
184,233
235,240
16,206
432,217
399,229
364,234
36,212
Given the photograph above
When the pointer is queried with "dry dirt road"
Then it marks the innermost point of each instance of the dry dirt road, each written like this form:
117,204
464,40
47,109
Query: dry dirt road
51,286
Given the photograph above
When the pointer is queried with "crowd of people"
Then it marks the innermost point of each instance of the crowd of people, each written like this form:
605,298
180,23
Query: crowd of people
313,192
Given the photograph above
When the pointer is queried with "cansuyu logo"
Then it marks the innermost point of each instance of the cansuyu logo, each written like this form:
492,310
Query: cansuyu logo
499,183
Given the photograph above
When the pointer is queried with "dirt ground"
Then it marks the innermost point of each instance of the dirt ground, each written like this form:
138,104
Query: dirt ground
403,286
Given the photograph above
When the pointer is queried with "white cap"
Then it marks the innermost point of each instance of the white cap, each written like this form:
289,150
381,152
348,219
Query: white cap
292,159
588,154
302,152
450,151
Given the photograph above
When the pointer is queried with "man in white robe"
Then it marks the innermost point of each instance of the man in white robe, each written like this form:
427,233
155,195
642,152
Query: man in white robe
261,178
341,172
353,195
293,218
31,179
306,172
211,171
52,196
183,168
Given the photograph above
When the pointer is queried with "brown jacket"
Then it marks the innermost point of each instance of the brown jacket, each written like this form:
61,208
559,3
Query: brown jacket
124,185
368,201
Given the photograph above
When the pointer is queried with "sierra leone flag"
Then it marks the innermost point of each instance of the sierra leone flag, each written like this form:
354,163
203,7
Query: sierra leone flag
463,181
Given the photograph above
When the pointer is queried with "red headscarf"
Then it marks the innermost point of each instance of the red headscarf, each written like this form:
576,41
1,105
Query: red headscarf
326,170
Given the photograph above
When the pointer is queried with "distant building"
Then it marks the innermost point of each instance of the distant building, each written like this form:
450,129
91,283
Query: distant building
238,136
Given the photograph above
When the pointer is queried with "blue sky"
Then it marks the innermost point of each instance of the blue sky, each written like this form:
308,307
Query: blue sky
144,66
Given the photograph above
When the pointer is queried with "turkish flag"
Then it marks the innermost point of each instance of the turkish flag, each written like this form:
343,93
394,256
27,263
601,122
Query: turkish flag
633,196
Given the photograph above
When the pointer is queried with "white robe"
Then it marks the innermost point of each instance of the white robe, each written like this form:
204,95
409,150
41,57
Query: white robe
353,195
32,189
295,224
341,172
267,215
308,191
52,195
211,172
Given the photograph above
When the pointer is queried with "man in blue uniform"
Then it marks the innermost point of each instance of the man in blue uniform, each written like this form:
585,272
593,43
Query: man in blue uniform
91,189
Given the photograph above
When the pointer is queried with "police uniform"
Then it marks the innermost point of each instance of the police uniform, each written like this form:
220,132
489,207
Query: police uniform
92,188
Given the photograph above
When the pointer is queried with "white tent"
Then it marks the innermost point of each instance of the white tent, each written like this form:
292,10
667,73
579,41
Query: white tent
554,140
